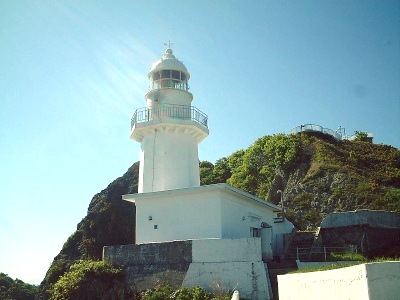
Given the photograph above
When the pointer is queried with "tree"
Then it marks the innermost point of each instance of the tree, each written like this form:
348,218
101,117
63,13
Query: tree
206,172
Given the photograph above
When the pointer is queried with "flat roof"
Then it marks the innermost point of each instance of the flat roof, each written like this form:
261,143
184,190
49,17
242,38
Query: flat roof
362,217
222,187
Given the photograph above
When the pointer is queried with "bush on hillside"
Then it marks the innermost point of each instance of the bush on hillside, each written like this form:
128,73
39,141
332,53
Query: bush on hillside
88,279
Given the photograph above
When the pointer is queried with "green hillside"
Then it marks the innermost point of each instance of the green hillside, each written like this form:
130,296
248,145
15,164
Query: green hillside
317,175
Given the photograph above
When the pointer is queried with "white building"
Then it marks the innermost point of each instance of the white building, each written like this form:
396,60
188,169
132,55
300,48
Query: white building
213,211
171,205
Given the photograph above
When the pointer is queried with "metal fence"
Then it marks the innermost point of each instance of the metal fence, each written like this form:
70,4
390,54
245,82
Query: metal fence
316,128
326,253
172,111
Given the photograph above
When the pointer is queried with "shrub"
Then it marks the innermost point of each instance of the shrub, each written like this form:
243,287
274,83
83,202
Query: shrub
166,292
89,278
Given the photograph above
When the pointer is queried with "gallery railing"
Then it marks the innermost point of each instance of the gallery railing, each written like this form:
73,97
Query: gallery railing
182,112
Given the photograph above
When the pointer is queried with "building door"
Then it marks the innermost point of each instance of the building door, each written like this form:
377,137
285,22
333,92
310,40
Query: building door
255,232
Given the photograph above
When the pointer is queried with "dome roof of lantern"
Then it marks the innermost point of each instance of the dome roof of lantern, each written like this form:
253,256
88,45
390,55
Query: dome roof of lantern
168,62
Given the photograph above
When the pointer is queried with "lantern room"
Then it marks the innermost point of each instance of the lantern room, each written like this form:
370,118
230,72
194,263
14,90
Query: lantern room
168,72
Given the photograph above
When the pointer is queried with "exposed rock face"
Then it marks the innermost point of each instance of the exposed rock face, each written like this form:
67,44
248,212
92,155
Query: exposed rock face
338,176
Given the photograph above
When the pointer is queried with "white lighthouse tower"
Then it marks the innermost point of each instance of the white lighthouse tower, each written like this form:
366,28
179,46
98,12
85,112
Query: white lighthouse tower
169,129
186,233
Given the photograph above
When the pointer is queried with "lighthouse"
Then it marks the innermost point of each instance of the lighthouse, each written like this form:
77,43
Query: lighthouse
168,129
187,234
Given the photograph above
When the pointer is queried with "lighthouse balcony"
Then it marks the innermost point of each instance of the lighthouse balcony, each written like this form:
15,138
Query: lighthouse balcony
171,111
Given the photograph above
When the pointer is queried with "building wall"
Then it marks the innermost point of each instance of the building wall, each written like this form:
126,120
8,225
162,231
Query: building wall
375,281
166,166
238,216
215,211
178,217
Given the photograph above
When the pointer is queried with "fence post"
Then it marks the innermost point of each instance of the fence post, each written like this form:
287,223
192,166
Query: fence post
297,253
325,253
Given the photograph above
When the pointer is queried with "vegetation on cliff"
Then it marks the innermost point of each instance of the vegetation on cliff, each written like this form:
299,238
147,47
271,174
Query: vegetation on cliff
109,221
89,279
317,175
16,289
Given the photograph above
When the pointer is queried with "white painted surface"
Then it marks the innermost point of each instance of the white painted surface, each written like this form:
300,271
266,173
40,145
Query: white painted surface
168,160
266,244
383,280
169,142
375,281
168,62
228,264
226,250
156,98
177,216
239,215
213,211
249,277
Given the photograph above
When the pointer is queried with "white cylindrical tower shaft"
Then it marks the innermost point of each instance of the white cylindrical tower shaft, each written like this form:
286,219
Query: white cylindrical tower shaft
169,129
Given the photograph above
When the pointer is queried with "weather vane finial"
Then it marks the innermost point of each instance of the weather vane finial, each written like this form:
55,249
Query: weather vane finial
169,44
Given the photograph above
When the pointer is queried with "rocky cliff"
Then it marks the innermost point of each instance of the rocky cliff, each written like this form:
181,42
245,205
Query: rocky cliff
109,221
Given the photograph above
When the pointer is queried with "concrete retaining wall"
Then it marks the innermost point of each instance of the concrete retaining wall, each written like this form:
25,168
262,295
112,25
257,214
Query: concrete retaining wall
147,265
215,264
229,264
373,281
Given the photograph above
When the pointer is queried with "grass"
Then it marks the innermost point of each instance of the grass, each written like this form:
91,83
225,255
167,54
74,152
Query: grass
346,256
331,266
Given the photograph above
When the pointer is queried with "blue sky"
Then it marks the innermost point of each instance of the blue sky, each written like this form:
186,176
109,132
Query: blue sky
72,74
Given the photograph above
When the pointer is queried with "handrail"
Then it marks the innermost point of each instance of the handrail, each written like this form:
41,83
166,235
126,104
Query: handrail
182,112
316,128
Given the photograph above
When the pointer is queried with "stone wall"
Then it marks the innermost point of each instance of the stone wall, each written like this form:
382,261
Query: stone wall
215,264
146,265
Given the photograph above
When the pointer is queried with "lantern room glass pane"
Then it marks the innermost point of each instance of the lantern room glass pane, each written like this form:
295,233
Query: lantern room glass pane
165,73
168,79
175,74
